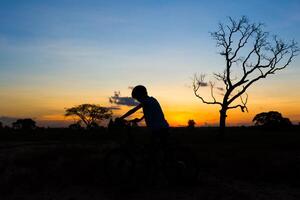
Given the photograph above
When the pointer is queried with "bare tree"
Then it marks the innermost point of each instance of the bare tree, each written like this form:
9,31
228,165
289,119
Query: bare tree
250,55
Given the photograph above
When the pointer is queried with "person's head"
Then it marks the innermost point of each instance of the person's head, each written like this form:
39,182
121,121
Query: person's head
139,92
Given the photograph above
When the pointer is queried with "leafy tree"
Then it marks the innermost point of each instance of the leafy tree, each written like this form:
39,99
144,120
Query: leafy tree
250,55
89,114
271,119
24,124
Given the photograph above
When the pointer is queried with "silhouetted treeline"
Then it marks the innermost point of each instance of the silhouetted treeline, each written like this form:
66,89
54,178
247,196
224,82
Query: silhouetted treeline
26,129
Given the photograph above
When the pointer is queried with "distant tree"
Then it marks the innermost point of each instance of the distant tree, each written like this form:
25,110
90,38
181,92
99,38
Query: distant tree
89,114
249,56
24,124
1,125
191,124
271,119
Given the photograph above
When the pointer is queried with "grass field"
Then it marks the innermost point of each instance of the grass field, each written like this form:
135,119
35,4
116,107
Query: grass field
249,163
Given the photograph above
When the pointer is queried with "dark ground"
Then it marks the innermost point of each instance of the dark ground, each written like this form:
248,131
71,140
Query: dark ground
250,163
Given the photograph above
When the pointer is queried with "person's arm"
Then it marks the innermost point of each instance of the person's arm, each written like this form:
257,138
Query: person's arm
130,112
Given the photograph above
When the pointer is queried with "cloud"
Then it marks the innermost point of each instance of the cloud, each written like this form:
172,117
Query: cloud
126,101
220,88
202,84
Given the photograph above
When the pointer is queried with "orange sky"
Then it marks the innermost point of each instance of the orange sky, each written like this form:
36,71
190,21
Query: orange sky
58,54
179,103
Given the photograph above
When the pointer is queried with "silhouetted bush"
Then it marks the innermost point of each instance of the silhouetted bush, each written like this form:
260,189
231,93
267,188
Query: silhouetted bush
75,126
93,126
24,124
191,124
271,119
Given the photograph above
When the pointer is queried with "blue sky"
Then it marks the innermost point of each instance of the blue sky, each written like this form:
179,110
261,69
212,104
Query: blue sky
50,49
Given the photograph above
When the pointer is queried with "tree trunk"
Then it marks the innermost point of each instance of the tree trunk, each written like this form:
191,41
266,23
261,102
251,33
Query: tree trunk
222,122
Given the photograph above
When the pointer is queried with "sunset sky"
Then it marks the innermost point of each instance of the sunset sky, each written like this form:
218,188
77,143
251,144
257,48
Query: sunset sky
58,53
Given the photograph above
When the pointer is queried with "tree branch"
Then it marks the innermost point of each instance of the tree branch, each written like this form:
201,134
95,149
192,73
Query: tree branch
199,82
242,106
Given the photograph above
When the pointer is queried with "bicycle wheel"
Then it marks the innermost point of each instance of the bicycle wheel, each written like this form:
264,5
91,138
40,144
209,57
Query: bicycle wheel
119,167
180,166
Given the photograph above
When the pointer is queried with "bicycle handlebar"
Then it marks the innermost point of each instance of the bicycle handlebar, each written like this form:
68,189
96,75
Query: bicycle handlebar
122,123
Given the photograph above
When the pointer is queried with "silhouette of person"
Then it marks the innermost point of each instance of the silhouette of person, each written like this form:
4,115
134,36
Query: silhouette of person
153,114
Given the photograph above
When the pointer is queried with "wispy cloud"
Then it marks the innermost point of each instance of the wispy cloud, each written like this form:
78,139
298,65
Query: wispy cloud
220,88
119,100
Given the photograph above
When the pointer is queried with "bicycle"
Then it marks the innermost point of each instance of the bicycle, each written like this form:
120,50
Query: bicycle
129,163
